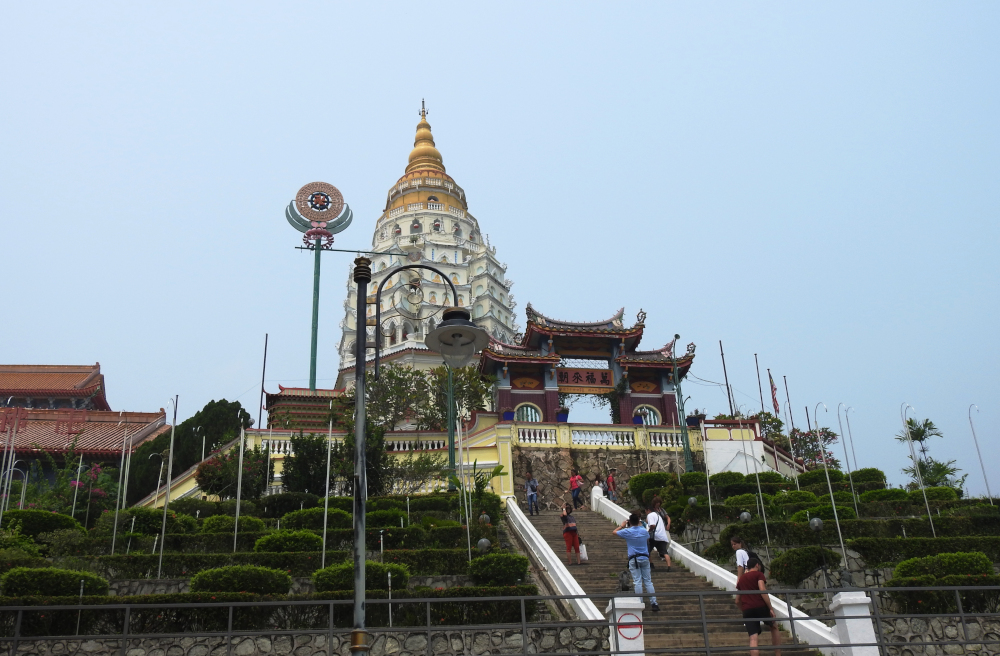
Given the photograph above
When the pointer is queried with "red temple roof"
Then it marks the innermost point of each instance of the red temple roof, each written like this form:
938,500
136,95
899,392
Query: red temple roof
97,432
23,381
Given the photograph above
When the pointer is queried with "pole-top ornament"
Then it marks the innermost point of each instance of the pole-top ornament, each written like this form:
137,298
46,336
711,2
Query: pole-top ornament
319,211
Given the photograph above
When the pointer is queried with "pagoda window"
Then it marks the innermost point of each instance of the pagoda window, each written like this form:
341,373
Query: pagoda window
461,300
478,312
458,230
407,329
397,231
493,290
416,228
437,278
434,298
650,415
527,412
479,270
432,199
479,290
437,225
454,279
381,267
444,258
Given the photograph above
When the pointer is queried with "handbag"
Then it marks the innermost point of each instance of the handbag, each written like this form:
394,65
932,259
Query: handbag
583,553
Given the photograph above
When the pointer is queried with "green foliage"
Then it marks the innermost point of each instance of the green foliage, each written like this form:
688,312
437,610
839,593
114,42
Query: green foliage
429,521
825,513
473,392
341,577
50,581
818,476
744,501
807,446
185,565
148,521
15,544
639,483
794,565
723,479
305,468
934,494
694,479
499,569
227,524
768,477
65,542
220,422
868,475
799,533
889,494
35,522
313,518
880,552
416,468
193,507
281,541
385,503
936,473
219,475
228,507
337,503
242,578
383,518
944,601
843,496
919,432
279,505
796,496
945,564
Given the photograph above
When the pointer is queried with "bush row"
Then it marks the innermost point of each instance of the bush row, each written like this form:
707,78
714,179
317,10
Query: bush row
794,565
879,552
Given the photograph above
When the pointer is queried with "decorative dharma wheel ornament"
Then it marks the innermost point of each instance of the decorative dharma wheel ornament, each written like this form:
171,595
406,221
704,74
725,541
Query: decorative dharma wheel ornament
319,211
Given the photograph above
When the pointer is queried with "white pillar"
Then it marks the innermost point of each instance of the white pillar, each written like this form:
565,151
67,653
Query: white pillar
854,623
627,636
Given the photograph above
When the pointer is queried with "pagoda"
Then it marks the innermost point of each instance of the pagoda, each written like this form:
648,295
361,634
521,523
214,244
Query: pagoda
426,220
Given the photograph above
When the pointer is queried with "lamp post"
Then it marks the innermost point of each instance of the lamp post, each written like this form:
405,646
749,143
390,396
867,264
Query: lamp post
76,488
121,474
24,486
847,461
198,431
916,466
847,418
166,499
816,524
688,461
457,339
974,439
159,476
10,444
826,470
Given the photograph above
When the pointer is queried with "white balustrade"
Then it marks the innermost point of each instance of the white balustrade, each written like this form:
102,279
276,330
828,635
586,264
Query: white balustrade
457,211
665,439
415,206
603,437
435,206
527,435
396,212
434,182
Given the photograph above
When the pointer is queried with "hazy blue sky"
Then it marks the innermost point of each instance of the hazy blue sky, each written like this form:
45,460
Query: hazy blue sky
812,182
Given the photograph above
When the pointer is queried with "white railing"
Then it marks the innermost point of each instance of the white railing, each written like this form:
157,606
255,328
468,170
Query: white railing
278,447
591,436
414,444
434,182
536,435
449,185
457,211
562,580
812,631
666,439
396,212
435,206
414,206
403,185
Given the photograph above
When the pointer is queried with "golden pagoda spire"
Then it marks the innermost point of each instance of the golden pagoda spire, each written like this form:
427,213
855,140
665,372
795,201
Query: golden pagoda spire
424,155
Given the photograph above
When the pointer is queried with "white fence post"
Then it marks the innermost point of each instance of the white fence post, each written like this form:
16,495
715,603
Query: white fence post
854,623
625,620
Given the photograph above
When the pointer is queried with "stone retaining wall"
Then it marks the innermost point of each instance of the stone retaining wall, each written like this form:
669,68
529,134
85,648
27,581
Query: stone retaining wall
403,643
918,629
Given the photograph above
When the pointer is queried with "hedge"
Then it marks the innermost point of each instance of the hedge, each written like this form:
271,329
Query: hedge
723,479
155,614
141,566
279,505
313,518
341,577
817,476
934,494
242,578
750,487
385,518
769,477
799,533
198,508
868,475
50,581
742,501
796,496
499,569
386,503
946,601
7,564
648,481
794,565
148,521
227,524
945,564
694,479
289,541
888,494
411,537
825,513
879,552
36,522
427,562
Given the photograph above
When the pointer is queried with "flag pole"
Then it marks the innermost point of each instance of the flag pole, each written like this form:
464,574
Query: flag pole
729,395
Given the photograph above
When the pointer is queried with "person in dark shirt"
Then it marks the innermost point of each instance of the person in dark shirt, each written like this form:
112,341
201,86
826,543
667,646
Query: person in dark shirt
570,534
756,607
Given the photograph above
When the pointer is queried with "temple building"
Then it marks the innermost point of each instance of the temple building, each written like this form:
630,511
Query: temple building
53,387
426,220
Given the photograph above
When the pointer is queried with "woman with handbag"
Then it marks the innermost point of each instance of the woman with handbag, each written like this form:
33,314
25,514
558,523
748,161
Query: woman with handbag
570,534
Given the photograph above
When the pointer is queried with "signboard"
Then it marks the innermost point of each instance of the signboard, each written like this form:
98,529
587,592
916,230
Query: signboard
585,381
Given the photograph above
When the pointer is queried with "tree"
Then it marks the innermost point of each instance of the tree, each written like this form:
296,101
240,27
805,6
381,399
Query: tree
807,446
920,432
220,422
219,475
415,469
936,474
305,468
399,395
472,391
95,485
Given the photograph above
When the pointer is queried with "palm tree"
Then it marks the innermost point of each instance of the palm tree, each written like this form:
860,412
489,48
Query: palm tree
920,432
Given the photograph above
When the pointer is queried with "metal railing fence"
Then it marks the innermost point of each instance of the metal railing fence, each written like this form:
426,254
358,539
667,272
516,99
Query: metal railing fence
971,612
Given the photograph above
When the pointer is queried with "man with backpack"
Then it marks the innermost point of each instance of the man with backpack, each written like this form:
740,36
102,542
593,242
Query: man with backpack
743,554
531,491
638,555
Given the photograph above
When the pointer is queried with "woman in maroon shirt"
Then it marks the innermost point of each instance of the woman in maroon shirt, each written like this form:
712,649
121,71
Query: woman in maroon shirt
756,607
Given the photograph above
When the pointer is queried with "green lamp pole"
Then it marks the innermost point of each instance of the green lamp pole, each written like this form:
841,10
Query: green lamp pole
688,460
451,427
318,248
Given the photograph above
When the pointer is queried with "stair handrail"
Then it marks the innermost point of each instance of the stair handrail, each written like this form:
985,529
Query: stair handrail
563,581
812,631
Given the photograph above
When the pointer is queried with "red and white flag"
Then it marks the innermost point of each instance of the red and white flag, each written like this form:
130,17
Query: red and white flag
774,395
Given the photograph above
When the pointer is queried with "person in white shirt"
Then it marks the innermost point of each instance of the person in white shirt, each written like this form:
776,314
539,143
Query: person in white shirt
659,522
742,556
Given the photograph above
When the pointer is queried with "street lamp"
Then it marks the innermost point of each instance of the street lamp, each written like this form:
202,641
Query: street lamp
974,439
816,524
159,477
457,339
826,470
681,419
847,460
916,465
121,473
166,499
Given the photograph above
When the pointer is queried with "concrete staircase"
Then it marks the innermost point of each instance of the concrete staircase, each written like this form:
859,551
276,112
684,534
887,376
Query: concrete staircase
607,554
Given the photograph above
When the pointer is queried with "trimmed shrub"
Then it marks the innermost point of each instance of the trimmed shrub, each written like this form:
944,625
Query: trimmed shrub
197,508
934,494
339,503
843,497
825,513
768,477
246,508
945,564
879,552
148,521
139,566
888,494
386,503
429,522
15,544
499,569
742,501
423,562
341,577
694,479
227,524
285,541
723,479
313,518
796,496
868,475
817,476
639,483
35,522
794,565
51,581
242,578
447,501
279,505
385,518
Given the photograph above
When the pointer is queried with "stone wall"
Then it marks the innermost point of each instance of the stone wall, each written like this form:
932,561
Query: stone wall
551,466
408,642
941,630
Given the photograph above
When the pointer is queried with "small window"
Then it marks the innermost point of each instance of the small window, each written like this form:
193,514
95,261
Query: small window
397,231
381,267
416,228
479,270
432,199
527,413
478,312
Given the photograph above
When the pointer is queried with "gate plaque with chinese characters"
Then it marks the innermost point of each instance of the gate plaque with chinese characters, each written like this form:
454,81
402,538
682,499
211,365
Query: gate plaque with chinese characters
585,381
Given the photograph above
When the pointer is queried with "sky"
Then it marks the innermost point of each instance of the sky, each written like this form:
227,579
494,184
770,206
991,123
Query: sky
808,182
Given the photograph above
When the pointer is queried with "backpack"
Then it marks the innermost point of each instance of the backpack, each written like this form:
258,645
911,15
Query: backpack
533,487
625,581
